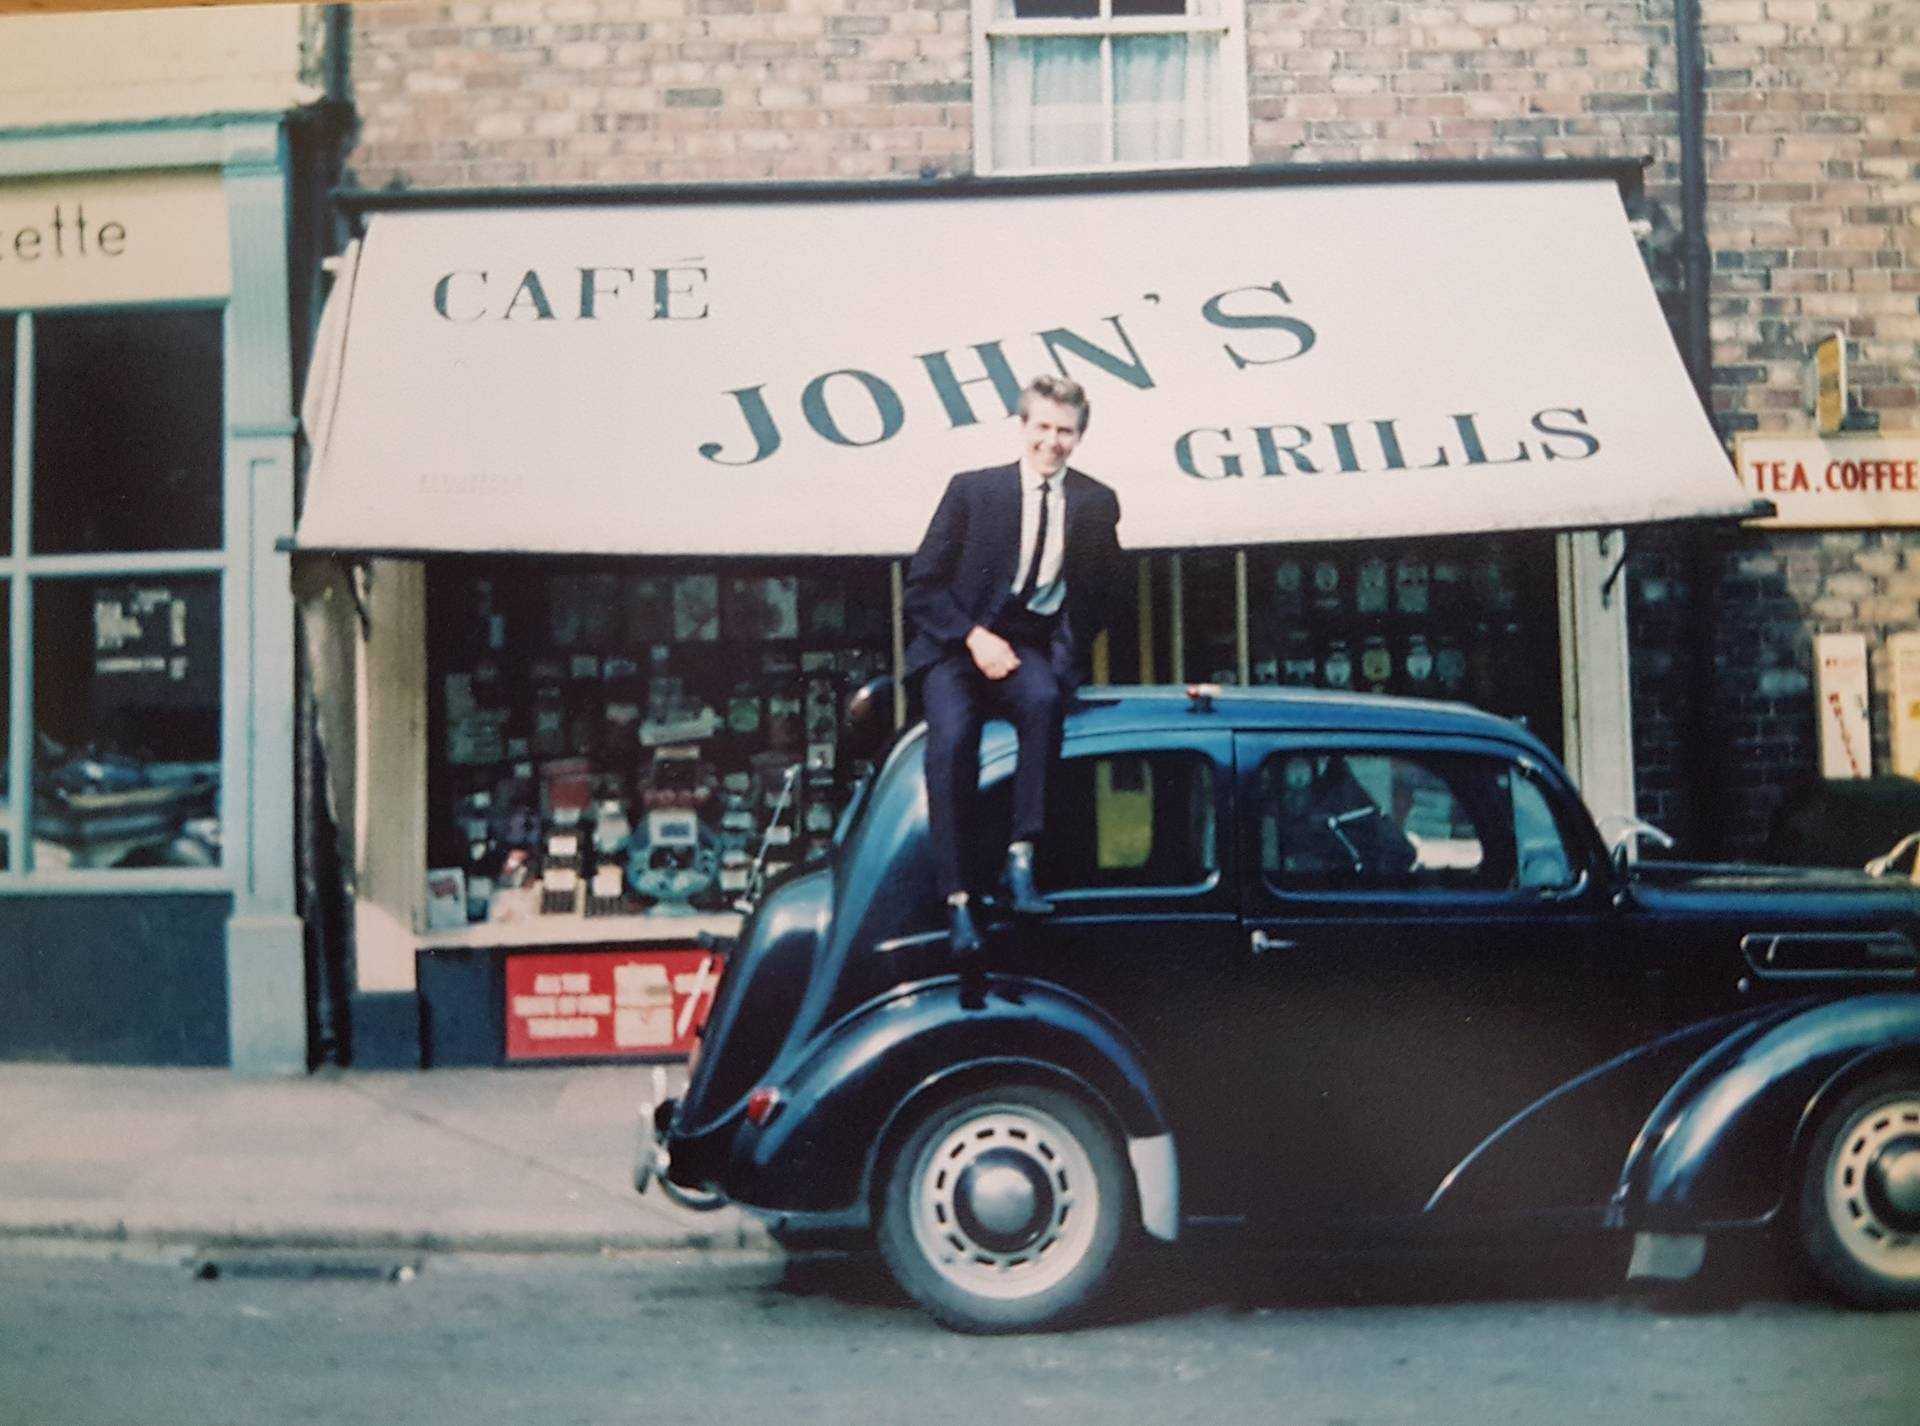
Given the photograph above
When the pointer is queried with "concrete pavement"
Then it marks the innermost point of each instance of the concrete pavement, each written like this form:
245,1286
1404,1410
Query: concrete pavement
519,1160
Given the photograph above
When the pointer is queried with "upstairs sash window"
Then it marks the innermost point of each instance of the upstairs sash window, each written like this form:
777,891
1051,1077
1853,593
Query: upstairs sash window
1100,84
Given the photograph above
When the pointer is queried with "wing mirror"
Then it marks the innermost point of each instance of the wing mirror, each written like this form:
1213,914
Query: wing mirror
1623,836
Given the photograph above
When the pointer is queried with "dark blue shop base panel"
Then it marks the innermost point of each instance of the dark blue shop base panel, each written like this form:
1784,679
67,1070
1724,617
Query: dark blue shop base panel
385,1029
118,978
462,1006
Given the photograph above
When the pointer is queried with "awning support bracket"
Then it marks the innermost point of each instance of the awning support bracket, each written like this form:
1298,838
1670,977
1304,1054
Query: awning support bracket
1613,575
357,571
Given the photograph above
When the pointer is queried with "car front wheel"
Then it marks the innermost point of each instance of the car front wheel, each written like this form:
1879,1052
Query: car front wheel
1860,1197
1006,1210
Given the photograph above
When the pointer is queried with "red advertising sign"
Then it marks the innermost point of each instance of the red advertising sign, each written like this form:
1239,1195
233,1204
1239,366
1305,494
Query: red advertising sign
643,1003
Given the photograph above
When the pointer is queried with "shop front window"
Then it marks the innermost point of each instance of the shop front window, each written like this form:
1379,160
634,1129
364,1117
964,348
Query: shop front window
1471,620
634,737
1089,84
118,467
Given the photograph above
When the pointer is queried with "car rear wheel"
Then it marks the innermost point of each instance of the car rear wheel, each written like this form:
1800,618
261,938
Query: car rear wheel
1860,1196
1006,1210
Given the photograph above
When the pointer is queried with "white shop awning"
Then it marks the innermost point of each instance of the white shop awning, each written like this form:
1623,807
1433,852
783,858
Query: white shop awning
799,373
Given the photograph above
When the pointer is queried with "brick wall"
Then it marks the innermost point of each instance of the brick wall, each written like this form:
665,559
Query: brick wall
1717,757
1331,81
1813,123
120,67
635,91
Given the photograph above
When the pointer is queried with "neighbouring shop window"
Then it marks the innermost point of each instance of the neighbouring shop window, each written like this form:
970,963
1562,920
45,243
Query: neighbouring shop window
126,432
126,706
119,568
617,738
1082,84
6,723
1152,822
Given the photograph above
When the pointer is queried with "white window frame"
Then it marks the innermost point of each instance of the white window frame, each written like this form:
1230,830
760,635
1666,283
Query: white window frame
1230,101
22,571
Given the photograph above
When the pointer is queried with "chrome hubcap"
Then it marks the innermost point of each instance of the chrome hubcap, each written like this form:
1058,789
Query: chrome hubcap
1893,1183
1005,1202
1873,1188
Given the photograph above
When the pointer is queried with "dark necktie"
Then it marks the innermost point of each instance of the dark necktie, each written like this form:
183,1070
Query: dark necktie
1032,581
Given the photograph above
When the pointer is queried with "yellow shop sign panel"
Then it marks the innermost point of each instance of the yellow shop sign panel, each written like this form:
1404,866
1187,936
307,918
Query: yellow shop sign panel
85,240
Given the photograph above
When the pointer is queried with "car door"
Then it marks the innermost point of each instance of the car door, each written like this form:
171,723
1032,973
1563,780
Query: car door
1423,923
1139,864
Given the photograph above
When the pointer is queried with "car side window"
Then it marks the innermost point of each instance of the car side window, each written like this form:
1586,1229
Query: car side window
1544,863
1131,820
1371,821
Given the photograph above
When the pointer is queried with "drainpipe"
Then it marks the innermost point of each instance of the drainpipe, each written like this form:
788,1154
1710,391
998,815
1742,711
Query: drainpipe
1699,767
1696,263
325,898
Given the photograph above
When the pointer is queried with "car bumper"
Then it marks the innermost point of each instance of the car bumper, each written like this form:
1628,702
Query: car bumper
653,1163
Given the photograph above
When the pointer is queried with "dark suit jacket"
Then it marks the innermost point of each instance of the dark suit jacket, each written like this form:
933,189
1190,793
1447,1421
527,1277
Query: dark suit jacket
963,572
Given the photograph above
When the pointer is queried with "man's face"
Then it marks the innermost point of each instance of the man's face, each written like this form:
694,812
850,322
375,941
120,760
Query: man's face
1049,432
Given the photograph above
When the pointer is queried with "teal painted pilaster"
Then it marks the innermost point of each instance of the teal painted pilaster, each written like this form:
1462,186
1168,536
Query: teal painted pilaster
266,963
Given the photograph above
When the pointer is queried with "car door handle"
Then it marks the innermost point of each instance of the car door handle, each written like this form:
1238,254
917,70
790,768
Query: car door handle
1262,943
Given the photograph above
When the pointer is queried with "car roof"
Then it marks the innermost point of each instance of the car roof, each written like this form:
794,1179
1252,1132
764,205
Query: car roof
1133,708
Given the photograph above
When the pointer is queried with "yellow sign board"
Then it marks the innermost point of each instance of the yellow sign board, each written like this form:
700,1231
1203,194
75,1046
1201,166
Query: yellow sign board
1830,384
87,240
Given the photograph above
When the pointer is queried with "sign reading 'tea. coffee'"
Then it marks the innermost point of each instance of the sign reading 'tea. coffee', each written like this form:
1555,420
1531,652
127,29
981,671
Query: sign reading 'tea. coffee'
1834,481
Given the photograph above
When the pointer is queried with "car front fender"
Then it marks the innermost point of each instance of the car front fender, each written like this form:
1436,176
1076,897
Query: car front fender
1720,1149
821,1148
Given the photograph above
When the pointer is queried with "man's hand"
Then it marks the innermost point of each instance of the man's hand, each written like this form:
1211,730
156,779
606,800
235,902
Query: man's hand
992,655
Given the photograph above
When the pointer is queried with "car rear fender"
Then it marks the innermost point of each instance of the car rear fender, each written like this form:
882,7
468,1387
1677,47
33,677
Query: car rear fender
1722,1148
844,1106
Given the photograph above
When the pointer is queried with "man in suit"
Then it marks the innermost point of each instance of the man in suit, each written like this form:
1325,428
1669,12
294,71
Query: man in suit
1006,594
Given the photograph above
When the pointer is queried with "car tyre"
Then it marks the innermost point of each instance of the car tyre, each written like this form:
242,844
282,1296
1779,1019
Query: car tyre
1859,1210
1007,1210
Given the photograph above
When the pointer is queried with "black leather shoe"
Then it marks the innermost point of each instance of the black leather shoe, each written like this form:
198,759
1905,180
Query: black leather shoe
962,936
1023,897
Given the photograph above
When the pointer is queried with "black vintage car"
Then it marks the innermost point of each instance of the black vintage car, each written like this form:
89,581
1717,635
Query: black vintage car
1335,968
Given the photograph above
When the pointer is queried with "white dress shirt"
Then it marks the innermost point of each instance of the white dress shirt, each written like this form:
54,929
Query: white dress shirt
1050,589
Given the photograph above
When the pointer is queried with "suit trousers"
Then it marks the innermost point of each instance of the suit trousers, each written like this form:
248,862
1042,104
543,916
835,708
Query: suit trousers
958,699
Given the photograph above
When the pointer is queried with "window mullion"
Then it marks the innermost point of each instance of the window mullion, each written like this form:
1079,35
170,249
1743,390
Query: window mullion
20,608
139,564
1109,142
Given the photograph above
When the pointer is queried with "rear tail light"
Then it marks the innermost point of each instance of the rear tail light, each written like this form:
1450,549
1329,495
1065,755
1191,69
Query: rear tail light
762,1105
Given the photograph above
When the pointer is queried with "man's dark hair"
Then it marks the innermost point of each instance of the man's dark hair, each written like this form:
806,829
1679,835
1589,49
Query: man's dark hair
1057,388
